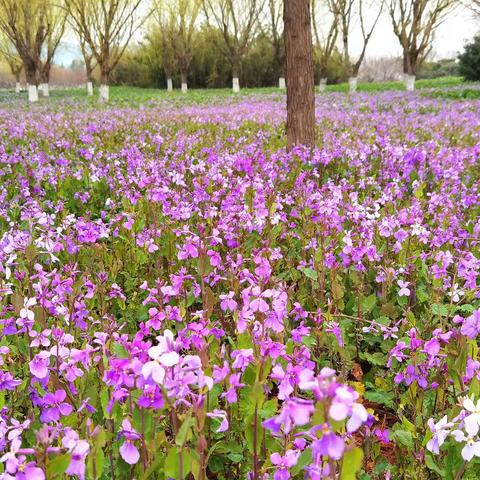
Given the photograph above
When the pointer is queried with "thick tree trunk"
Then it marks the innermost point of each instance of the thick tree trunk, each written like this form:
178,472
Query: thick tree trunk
104,87
169,84
31,77
236,77
299,73
352,84
18,85
183,76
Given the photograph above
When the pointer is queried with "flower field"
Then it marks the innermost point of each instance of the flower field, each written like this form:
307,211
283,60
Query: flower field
180,298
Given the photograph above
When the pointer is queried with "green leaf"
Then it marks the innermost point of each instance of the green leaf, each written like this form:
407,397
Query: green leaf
172,462
369,302
433,466
404,437
184,431
384,398
119,351
58,466
310,273
351,464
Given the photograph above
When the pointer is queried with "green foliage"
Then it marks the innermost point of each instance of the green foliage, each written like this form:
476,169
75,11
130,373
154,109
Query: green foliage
469,60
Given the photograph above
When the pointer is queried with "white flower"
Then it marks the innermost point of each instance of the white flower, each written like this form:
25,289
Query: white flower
440,431
471,448
472,421
25,312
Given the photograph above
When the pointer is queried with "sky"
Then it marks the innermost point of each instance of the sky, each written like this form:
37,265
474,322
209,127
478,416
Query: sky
459,27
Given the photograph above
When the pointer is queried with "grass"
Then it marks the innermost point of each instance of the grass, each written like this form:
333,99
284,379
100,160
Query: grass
444,87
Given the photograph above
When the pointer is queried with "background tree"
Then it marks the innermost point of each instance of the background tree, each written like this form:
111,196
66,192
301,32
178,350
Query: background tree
414,23
275,33
107,27
324,46
348,12
469,60
55,21
181,30
238,20
300,75
24,23
159,41
9,54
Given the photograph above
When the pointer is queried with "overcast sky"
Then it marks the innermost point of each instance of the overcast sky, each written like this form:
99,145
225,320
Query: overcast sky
459,27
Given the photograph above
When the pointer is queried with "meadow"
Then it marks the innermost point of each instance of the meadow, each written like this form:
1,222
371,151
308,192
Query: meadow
182,298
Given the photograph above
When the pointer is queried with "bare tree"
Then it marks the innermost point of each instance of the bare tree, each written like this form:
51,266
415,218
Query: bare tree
299,70
24,23
88,56
107,27
10,55
414,23
238,21
324,46
160,39
473,5
55,21
348,12
179,30
275,33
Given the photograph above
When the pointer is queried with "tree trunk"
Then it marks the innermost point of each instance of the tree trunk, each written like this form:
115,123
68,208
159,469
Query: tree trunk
183,76
169,84
18,85
281,83
299,73
31,77
236,76
352,84
104,87
323,84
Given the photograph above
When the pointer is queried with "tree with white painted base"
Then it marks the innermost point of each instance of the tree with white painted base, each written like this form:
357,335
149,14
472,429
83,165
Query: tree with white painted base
238,21
324,45
9,54
275,34
55,19
106,26
348,12
414,24
23,22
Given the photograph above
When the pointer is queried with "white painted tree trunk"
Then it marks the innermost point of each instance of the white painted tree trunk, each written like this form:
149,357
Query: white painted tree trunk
184,87
281,83
32,93
44,88
236,85
169,85
352,84
323,84
18,87
410,82
104,93
89,89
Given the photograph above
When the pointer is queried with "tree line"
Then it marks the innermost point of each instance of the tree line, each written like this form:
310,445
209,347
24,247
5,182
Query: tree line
206,42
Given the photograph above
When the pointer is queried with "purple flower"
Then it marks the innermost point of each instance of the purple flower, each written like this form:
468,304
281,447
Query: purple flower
471,325
222,415
128,450
330,445
39,365
54,407
283,464
294,412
